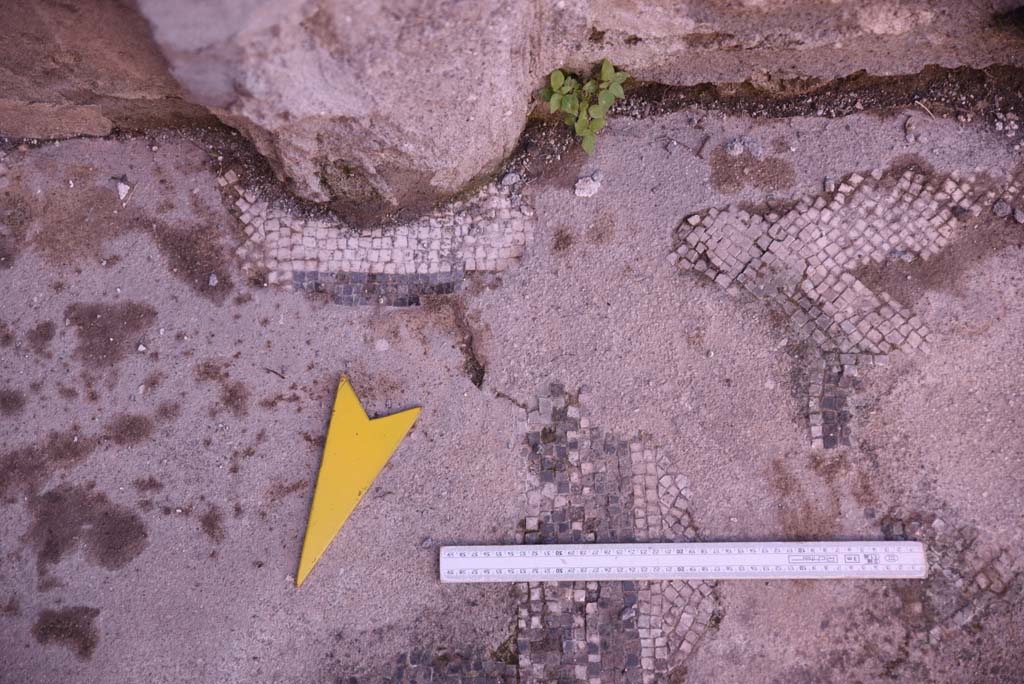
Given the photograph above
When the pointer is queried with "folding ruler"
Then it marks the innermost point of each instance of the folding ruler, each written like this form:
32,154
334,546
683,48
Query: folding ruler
688,561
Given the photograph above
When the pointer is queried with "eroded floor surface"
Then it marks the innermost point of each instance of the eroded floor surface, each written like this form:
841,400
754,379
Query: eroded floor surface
731,329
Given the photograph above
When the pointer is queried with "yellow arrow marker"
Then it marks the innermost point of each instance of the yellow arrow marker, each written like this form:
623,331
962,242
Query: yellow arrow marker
356,450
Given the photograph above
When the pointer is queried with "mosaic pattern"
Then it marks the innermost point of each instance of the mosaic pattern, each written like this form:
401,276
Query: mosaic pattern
394,265
587,486
971,575
443,666
803,261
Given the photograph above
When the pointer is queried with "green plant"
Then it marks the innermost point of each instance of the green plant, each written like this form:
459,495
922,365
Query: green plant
584,106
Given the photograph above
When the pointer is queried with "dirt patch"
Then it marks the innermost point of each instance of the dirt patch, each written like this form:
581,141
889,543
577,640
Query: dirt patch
272,402
149,484
12,402
108,332
197,256
67,515
731,174
75,218
168,410
40,336
994,89
550,154
25,469
239,455
129,429
212,525
212,370
71,627
830,464
12,608
946,271
601,230
976,240
804,516
234,396
562,241
280,490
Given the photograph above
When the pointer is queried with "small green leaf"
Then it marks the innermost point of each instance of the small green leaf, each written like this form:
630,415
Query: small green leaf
557,79
555,102
606,99
572,84
545,93
616,90
582,124
597,123
588,143
607,71
596,112
620,77
568,119
570,104
590,87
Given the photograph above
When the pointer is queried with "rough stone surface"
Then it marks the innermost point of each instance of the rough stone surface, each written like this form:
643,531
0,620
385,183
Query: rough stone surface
83,68
390,105
587,186
379,105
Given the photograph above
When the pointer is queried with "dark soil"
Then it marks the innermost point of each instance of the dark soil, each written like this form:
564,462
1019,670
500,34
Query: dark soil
963,90
72,627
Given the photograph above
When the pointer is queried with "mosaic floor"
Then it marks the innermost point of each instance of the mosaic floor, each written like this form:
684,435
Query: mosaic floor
586,485
392,266
803,260
973,580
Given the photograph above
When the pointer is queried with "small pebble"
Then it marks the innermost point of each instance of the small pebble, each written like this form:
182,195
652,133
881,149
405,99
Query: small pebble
509,179
1001,209
213,280
141,348
1018,215
587,186
122,190
734,148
